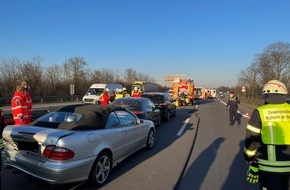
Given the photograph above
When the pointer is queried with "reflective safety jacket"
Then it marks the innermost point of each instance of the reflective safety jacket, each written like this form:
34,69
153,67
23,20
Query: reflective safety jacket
104,99
136,94
29,104
19,109
268,138
119,95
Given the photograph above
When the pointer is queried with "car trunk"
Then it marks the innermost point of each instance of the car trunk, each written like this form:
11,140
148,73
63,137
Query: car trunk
31,141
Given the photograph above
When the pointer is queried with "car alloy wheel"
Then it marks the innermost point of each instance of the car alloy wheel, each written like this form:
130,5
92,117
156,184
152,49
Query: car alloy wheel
150,139
101,169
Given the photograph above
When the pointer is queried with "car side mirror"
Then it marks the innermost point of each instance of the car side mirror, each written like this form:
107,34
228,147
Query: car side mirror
140,121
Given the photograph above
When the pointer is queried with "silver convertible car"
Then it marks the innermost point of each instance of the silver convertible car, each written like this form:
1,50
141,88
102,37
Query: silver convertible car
76,143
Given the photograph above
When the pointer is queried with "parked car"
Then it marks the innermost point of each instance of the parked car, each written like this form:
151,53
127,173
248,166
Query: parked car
76,143
144,108
163,101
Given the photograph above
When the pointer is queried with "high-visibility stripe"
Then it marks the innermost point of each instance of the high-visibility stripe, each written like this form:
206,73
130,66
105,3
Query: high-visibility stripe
18,107
274,169
250,152
253,129
274,163
271,132
271,149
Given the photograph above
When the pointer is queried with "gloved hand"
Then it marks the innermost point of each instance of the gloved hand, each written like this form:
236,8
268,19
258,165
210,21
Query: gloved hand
253,174
21,119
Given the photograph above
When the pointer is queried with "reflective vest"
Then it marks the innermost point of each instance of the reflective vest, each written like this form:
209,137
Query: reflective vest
275,131
104,99
275,124
136,94
19,109
29,104
119,95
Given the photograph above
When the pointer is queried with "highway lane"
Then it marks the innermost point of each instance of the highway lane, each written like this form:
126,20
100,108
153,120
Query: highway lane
206,154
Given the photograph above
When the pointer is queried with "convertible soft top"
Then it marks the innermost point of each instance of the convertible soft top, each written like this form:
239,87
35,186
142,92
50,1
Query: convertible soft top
94,117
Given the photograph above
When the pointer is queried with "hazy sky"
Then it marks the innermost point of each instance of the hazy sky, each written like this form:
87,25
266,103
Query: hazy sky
207,40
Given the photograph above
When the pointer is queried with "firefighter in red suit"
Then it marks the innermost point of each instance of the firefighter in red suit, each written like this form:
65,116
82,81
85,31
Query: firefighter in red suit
136,92
28,100
104,97
19,107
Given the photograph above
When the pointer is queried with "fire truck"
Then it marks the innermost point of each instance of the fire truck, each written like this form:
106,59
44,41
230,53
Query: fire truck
183,91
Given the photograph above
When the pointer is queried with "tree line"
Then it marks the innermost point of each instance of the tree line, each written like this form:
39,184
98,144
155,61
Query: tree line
55,80
272,63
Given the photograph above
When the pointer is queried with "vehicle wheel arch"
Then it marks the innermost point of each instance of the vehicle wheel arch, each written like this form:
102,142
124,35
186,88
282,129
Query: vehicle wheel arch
92,179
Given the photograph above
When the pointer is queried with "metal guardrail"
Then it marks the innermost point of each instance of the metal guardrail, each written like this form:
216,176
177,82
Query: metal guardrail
5,101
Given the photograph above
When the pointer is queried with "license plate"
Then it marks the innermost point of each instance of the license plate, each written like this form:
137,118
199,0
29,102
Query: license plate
29,146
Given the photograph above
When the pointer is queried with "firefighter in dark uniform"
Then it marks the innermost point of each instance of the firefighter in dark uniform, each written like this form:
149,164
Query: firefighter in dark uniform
267,141
232,105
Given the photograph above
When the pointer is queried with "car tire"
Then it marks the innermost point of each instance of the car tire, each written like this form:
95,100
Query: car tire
159,121
101,169
150,140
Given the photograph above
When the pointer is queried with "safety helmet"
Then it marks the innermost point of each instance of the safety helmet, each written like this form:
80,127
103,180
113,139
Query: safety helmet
107,90
124,89
275,87
117,89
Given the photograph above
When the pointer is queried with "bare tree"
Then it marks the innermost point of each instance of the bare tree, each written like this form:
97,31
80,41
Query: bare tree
275,62
130,76
75,73
54,80
249,77
10,75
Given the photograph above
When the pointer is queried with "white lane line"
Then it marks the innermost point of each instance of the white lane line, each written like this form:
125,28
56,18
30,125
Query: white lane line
183,127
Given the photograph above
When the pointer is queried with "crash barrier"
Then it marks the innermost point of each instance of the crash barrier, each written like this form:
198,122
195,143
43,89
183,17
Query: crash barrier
5,101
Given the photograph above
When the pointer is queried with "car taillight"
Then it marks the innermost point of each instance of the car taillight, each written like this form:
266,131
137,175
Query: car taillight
57,153
138,112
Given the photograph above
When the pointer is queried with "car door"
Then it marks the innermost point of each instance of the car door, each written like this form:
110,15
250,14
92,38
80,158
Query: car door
132,132
115,135
154,114
170,105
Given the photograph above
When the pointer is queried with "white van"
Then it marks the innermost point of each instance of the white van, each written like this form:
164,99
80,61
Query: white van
92,96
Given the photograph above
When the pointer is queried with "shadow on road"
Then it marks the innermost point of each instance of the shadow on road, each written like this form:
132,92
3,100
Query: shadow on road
238,176
197,172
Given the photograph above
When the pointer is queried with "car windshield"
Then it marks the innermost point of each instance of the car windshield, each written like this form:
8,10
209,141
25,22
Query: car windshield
130,104
60,118
156,99
95,91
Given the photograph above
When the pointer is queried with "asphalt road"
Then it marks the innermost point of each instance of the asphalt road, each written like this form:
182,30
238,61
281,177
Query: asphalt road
196,149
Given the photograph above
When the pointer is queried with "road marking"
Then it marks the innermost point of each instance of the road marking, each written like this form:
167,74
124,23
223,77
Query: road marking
183,127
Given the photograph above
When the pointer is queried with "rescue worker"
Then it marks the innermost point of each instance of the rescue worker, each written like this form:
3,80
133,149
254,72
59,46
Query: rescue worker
125,93
19,107
232,106
136,92
112,96
28,100
119,93
267,140
104,97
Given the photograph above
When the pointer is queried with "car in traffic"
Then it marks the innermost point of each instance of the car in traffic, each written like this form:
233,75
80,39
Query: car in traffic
76,143
163,101
143,108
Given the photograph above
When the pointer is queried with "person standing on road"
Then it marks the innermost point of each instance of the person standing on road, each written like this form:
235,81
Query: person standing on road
104,97
19,107
28,100
136,92
267,141
232,106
